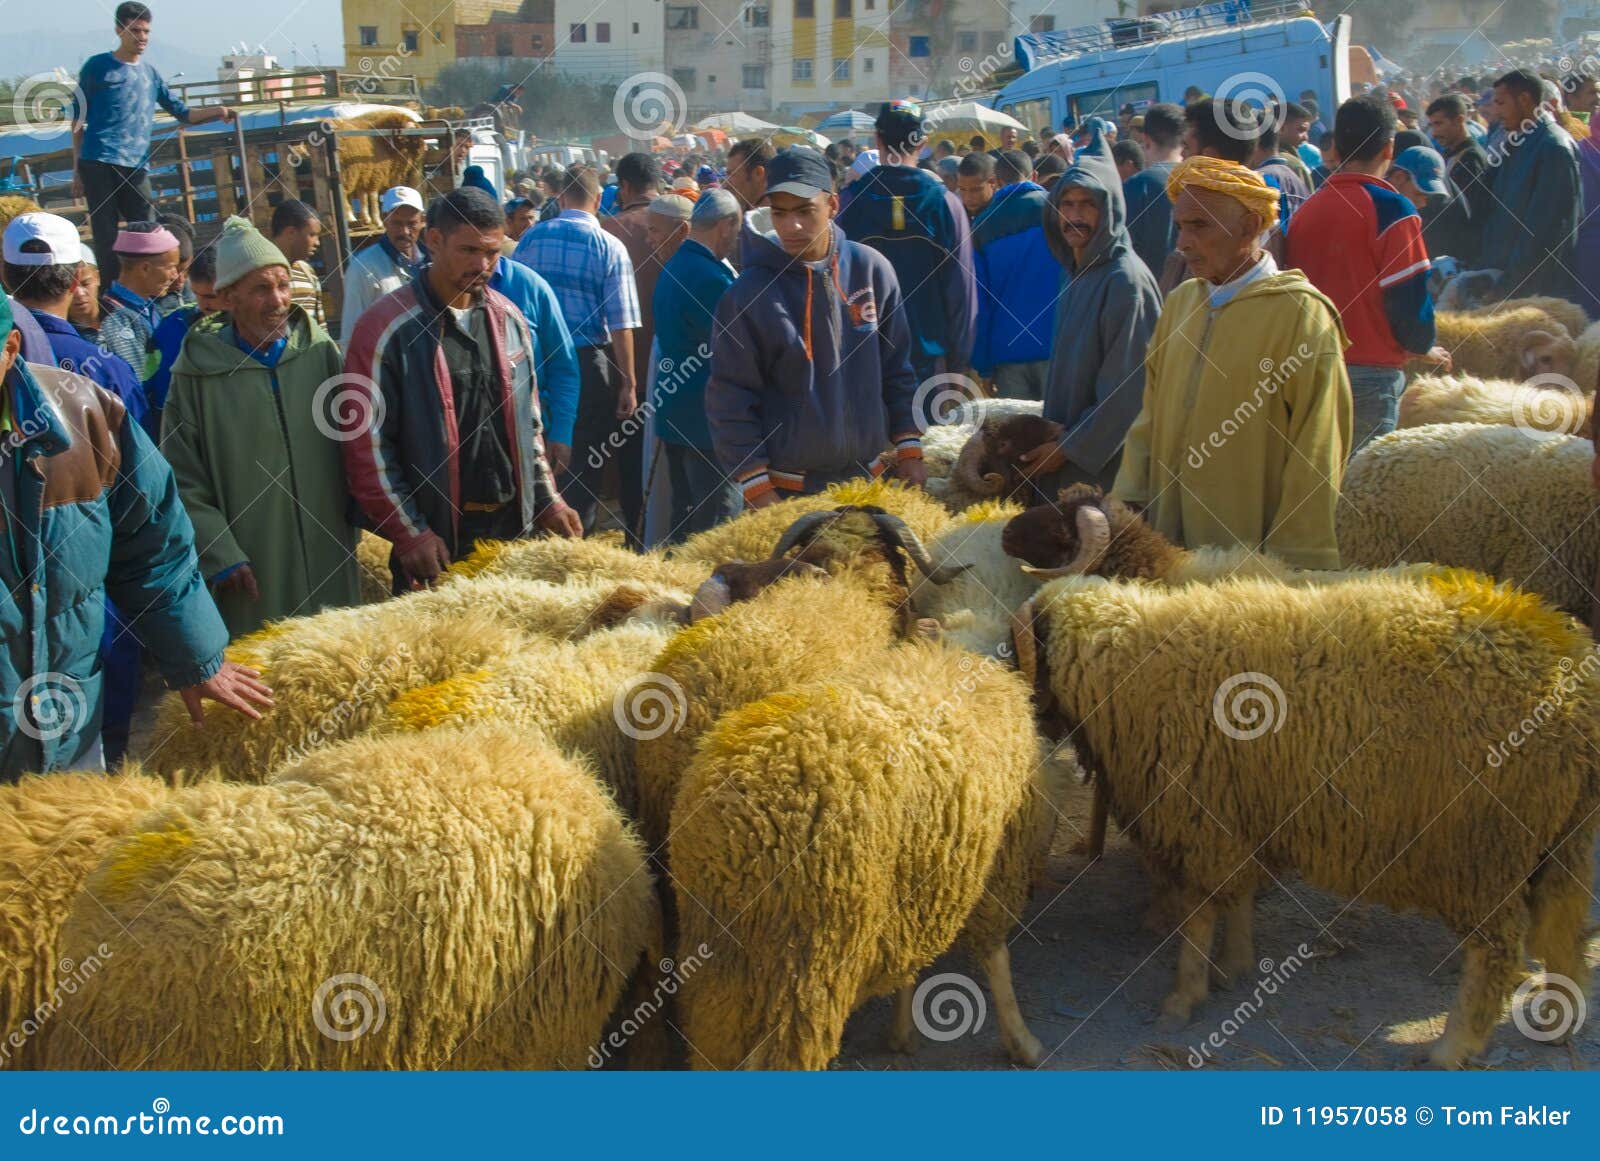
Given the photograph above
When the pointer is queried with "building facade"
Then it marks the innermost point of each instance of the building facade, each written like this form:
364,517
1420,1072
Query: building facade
402,40
505,40
610,40
830,54
720,53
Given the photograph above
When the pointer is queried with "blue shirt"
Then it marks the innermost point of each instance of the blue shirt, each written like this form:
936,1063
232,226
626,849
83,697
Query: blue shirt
555,362
118,107
691,284
589,270
72,352
267,356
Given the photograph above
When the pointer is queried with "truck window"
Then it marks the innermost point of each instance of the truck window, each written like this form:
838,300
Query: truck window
1106,102
1034,114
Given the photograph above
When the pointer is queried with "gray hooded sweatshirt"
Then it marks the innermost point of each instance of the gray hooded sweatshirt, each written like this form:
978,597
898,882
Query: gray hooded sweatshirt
1104,320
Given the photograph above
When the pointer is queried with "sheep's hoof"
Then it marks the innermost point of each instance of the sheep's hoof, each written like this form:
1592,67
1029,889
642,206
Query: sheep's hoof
1444,1054
1174,1015
927,629
903,1042
1027,1051
1230,975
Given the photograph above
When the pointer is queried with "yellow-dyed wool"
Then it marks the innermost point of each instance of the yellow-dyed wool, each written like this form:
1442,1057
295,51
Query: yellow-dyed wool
1468,399
799,630
54,829
1515,505
1426,744
753,535
486,888
1494,346
589,698
558,560
829,842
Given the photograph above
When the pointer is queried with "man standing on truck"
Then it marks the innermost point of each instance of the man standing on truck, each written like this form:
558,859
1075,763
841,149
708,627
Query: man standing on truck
111,132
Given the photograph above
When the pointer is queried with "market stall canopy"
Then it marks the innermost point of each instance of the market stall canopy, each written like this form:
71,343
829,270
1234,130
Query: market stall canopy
794,135
738,124
962,119
848,123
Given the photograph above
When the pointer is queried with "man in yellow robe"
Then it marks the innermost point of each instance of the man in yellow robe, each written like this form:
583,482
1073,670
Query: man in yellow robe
1246,421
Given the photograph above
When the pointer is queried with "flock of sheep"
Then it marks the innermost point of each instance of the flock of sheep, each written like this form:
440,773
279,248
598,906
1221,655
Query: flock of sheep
817,747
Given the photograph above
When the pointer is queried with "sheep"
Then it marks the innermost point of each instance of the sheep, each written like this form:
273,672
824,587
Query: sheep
53,831
474,897
1514,344
942,444
830,841
752,535
555,559
1370,734
1515,504
372,558
591,698
1468,399
974,608
14,206
368,165
1586,365
1568,314
990,462
807,627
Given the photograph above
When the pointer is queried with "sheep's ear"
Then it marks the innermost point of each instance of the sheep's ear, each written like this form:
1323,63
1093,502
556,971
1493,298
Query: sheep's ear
1531,341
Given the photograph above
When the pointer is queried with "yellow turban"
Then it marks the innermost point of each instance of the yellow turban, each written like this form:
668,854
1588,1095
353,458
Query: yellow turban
1230,179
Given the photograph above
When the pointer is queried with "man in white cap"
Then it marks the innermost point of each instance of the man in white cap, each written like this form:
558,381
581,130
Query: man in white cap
388,263
251,430
84,313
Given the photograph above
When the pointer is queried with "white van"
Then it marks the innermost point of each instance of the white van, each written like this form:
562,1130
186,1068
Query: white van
1235,49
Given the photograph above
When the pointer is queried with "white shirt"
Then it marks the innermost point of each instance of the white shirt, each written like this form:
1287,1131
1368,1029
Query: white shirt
1224,294
371,274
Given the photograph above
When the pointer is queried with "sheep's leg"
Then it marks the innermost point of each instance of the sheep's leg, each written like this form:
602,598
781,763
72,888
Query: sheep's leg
1238,943
1560,916
1486,977
903,1032
1020,1044
1194,968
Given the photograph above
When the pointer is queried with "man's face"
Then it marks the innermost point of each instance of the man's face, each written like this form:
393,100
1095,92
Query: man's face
804,225
1008,138
1215,234
1191,141
1406,184
975,192
1294,132
664,235
402,226
1512,108
206,296
149,276
722,237
520,220
1078,215
1584,98
460,151
746,182
135,37
85,308
259,304
302,240
178,277
464,258
1447,130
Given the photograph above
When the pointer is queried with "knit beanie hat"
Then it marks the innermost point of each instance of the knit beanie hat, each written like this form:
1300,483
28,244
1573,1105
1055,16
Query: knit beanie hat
241,248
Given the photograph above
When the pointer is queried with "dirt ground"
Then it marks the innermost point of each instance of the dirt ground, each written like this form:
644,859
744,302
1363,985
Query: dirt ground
1090,979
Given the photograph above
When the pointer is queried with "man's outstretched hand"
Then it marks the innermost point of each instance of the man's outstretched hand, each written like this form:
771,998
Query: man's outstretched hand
234,686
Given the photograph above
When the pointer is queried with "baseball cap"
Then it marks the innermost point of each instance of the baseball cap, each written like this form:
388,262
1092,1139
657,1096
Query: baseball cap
899,122
799,170
88,256
400,195
1426,168
63,247
865,160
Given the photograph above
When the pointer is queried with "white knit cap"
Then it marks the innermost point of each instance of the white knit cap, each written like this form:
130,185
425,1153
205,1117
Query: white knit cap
63,247
400,195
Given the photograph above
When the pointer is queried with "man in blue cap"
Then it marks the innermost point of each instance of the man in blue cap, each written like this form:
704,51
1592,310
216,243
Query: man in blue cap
1447,225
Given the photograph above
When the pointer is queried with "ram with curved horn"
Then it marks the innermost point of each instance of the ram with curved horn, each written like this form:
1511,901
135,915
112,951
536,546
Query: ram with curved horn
990,462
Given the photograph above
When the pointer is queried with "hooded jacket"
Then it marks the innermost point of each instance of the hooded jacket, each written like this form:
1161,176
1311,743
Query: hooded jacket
908,216
1018,280
1532,232
810,370
260,473
1104,320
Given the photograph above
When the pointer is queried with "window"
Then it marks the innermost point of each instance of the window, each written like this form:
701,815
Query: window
538,42
1042,24
686,16
1034,114
967,42
869,5
409,40
1106,102
867,64
685,79
755,77
841,70
805,9
636,28
917,46
841,10
802,70
602,32
578,34
438,36
368,35
757,16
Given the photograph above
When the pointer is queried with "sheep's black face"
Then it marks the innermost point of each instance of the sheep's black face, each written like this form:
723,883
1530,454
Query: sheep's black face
1017,435
747,579
1045,537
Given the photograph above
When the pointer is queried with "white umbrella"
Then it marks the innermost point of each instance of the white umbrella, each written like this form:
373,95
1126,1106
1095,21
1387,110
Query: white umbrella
969,117
735,123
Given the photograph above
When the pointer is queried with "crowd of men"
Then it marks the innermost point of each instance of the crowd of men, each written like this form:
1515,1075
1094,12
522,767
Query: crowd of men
1217,312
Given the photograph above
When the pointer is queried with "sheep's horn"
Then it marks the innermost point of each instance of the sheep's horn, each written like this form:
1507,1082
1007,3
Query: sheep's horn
965,470
1094,537
900,535
804,530
711,598
1024,642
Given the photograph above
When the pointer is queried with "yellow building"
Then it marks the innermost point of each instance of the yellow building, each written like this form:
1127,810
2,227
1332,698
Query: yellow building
401,40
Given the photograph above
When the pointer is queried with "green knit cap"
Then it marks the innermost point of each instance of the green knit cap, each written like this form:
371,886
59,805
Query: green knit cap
242,248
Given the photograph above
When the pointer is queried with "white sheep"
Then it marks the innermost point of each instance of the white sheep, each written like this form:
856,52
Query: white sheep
1467,399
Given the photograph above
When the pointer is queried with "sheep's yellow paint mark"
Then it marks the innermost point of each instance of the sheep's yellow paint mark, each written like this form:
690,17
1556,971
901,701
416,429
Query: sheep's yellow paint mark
249,651
141,857
861,492
765,714
1475,594
453,699
985,511
687,642
483,559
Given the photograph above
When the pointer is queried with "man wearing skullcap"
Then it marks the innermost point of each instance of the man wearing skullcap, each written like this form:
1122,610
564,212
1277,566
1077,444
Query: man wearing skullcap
1245,427
148,256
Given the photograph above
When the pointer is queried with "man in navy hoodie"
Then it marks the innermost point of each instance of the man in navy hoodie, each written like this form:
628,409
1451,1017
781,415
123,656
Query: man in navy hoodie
1018,281
909,217
810,371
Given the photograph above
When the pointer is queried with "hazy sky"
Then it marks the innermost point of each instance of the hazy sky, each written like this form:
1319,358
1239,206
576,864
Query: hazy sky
204,27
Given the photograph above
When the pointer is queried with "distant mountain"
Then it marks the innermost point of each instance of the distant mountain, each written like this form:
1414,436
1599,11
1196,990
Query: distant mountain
26,53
